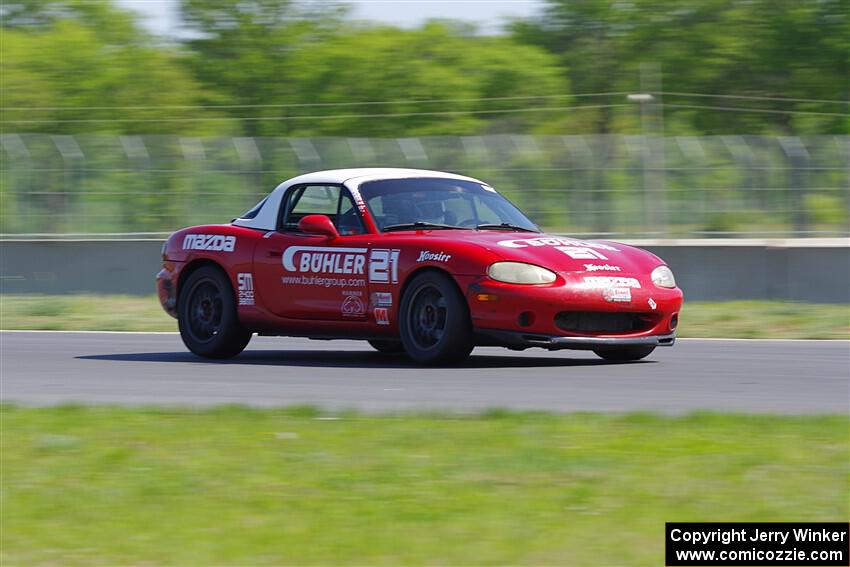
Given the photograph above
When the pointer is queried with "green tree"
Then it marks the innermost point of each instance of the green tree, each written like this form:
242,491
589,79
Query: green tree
76,66
766,48
243,52
443,63
288,71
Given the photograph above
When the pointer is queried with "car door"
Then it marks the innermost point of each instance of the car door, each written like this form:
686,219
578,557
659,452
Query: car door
303,276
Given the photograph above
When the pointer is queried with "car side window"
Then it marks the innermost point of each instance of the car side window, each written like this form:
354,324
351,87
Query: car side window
329,200
348,219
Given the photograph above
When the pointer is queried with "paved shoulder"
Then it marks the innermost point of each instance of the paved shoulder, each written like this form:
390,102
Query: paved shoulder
144,368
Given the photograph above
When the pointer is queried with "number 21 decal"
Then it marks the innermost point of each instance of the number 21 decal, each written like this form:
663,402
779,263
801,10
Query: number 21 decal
383,266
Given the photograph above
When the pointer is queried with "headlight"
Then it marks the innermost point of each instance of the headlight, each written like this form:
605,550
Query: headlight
662,276
520,273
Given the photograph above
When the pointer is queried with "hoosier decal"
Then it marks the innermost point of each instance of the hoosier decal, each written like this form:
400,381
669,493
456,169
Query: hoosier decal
428,256
604,267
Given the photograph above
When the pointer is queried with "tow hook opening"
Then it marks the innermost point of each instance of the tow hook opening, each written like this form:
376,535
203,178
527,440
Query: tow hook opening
674,321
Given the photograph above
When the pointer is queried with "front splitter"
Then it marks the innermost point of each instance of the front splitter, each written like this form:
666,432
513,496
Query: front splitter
520,340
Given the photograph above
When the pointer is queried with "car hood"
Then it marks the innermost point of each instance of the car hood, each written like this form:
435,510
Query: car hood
564,254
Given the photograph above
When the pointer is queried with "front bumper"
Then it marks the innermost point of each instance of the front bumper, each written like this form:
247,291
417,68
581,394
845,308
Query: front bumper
521,340
166,288
566,315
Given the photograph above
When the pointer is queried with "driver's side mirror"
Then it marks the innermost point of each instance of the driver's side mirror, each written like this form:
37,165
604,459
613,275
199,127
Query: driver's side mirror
319,225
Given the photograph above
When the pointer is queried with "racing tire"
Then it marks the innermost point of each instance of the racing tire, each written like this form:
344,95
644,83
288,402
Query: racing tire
387,347
206,315
624,354
434,320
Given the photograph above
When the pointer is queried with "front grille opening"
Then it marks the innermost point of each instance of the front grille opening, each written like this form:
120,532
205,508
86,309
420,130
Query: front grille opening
604,322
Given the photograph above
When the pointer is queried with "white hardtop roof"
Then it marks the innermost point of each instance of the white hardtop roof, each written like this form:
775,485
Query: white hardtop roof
373,173
266,218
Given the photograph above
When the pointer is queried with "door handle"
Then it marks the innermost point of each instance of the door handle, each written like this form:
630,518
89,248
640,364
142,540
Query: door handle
274,254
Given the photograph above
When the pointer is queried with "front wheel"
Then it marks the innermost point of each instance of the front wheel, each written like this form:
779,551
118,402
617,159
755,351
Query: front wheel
206,314
624,354
434,320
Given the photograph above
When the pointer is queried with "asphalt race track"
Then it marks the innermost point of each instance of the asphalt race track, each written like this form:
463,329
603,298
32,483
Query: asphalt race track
45,368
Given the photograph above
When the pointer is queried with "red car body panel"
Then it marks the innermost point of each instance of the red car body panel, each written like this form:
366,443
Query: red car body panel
288,283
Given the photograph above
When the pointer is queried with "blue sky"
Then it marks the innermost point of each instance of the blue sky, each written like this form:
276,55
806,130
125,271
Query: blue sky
160,16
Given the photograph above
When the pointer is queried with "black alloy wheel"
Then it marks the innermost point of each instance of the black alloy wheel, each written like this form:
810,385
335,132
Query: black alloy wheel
435,323
206,314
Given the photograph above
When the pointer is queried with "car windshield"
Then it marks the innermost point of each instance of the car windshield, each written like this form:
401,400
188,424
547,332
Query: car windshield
398,204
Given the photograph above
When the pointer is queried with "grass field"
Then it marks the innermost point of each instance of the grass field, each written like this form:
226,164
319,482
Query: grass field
238,486
734,319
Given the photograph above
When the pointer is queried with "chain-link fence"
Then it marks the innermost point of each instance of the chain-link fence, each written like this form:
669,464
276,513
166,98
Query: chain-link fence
601,185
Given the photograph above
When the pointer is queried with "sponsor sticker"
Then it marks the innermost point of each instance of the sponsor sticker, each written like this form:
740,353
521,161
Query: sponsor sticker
601,282
321,281
382,263
428,256
245,285
617,294
382,299
358,200
324,260
581,253
352,306
213,242
555,241
382,316
601,267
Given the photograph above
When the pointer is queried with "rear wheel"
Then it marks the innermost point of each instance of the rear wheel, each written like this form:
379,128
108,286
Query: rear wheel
624,354
206,313
434,320
387,347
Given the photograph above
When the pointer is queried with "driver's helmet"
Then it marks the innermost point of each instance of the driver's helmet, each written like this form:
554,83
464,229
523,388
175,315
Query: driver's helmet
430,211
435,211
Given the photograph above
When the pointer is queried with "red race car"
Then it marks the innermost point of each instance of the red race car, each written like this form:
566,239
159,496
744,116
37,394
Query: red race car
424,262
